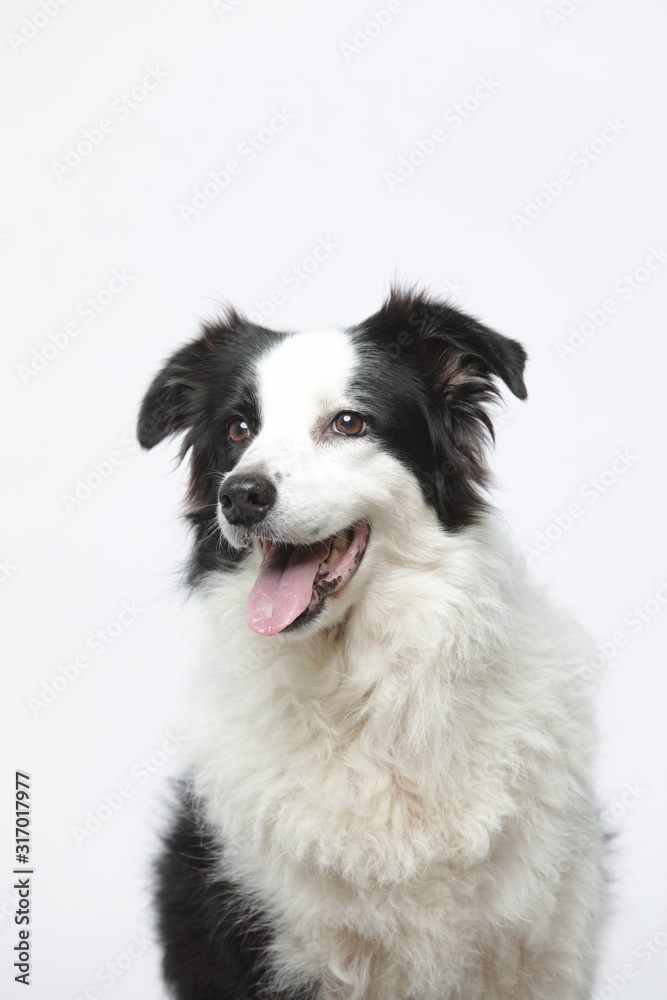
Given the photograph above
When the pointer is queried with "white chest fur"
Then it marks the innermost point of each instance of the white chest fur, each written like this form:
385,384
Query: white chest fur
366,782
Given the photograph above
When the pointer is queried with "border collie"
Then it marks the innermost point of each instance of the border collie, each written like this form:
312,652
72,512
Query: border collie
388,793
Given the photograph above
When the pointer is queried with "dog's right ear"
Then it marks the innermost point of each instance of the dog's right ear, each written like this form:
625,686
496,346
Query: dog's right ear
169,405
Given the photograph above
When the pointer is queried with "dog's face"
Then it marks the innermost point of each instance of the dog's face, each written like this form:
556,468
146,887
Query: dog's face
312,448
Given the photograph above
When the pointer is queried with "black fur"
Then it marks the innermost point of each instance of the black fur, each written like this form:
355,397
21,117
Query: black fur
199,390
215,941
427,378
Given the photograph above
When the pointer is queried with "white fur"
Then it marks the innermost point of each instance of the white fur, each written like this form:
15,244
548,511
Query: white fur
405,785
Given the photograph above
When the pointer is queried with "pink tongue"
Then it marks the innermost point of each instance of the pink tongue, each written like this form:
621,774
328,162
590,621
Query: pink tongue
284,587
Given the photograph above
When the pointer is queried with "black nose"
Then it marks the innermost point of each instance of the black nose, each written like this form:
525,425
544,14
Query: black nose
247,499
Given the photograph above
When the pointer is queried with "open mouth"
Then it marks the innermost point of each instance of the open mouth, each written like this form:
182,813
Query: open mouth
295,580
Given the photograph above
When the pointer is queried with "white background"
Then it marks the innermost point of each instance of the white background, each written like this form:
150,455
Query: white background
454,224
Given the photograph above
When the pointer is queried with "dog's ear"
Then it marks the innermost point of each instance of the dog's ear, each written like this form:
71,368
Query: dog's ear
169,404
458,361
457,348
461,358
463,349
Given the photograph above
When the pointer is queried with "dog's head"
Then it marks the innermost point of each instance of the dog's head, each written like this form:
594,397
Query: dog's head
311,448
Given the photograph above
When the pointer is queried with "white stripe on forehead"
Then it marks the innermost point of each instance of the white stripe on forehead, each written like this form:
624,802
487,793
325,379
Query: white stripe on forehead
305,374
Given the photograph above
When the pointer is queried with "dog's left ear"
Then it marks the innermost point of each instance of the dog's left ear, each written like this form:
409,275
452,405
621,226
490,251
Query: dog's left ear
459,354
458,360
460,349
169,405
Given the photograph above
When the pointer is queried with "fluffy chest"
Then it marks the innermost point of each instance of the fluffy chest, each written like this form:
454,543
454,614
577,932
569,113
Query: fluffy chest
359,790
347,848
352,771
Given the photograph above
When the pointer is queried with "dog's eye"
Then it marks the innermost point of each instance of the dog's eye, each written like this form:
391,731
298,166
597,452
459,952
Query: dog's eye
238,430
349,424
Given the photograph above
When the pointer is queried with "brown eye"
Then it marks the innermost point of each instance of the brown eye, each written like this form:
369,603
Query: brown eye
238,430
349,424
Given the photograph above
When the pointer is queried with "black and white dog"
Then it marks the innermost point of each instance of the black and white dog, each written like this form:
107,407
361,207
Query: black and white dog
389,792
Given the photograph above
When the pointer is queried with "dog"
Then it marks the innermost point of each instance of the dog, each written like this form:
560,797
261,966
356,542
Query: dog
388,792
